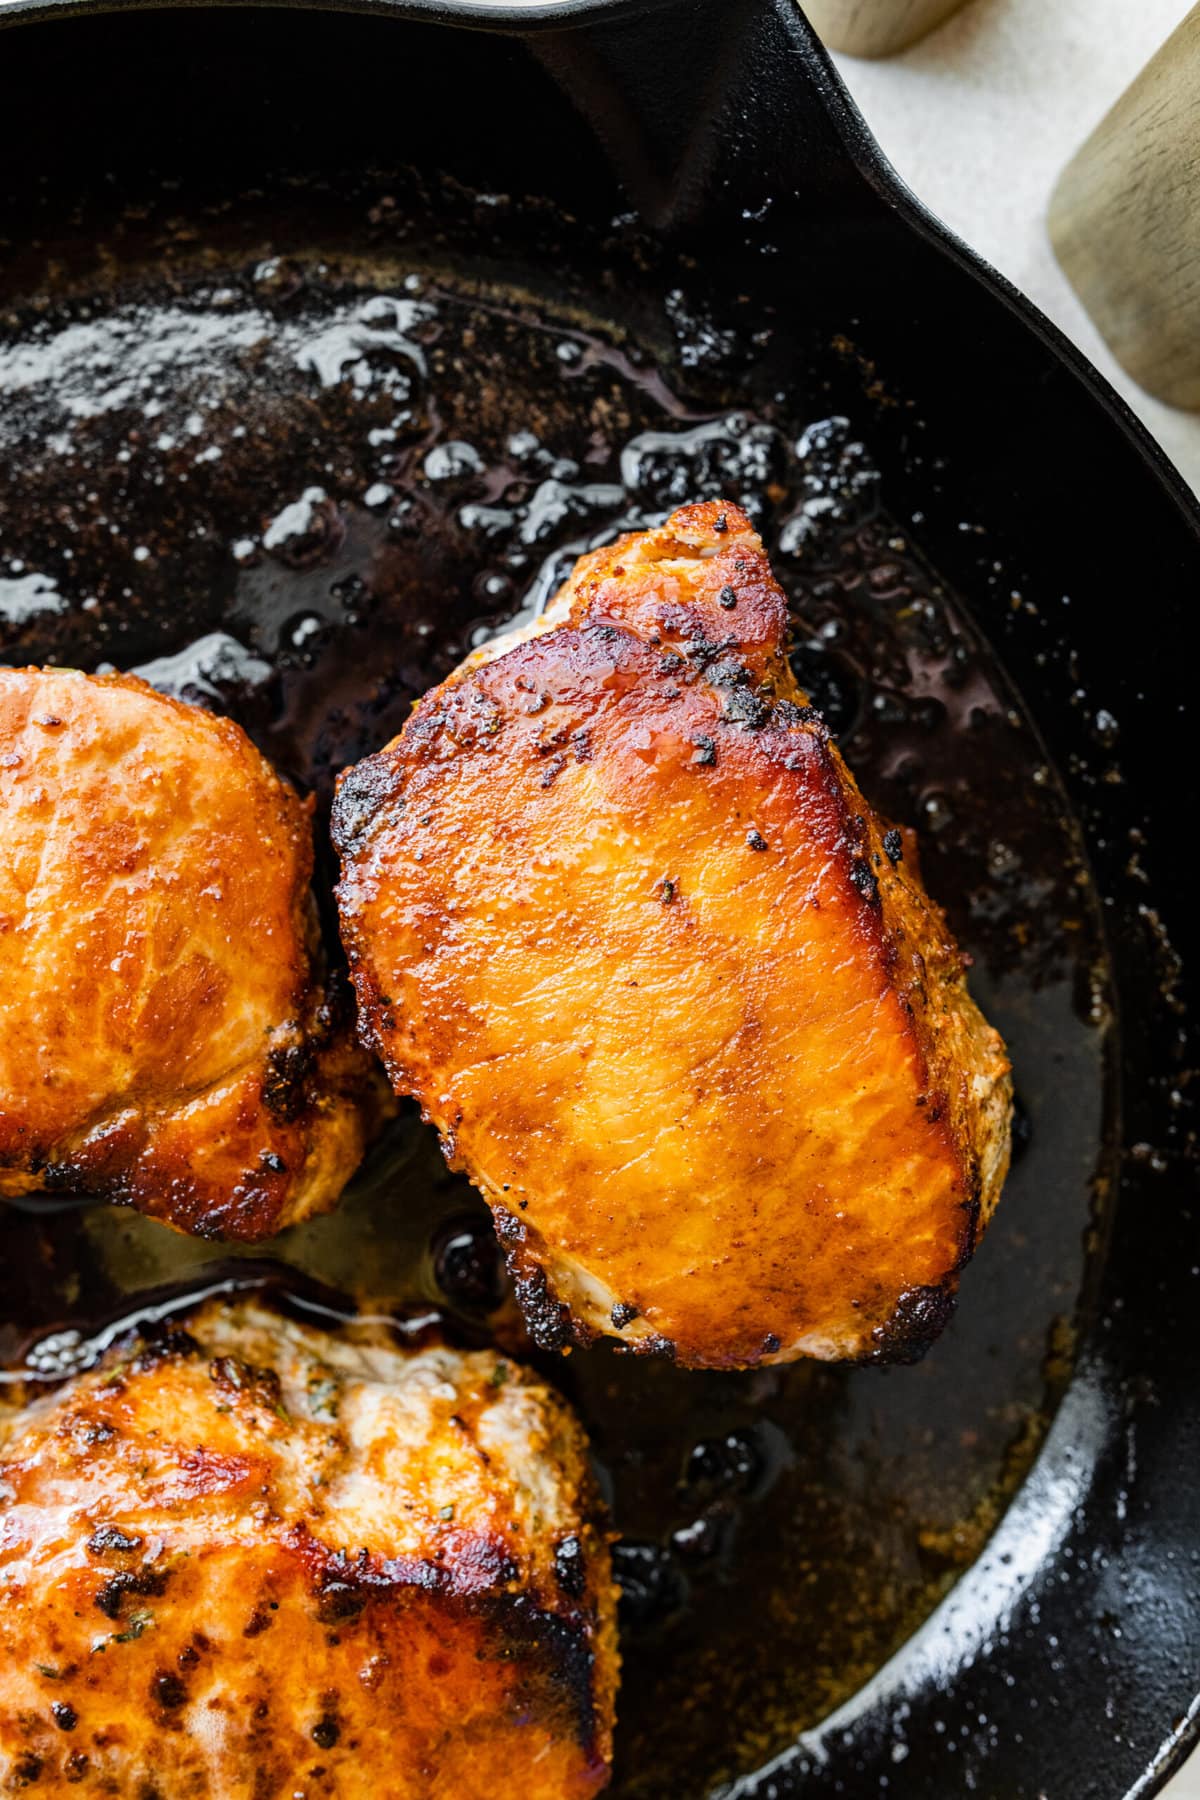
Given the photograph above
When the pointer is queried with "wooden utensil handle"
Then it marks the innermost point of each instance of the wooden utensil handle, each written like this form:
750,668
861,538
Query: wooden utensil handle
1125,222
876,27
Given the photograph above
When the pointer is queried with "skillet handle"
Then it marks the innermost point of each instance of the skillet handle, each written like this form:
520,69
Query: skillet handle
704,103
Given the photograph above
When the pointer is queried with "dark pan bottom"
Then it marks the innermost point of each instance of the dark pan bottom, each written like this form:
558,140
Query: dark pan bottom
291,459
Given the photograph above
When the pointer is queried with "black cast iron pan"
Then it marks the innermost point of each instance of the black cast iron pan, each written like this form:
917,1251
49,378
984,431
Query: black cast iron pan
325,338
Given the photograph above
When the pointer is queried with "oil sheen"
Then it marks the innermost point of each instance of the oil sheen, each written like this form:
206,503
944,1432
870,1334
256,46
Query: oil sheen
297,486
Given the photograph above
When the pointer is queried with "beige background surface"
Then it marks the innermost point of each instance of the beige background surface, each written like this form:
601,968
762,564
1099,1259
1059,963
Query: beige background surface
979,119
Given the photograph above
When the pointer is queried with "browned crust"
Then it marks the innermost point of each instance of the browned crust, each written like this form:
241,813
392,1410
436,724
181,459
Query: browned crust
275,1146
205,1628
237,1151
643,640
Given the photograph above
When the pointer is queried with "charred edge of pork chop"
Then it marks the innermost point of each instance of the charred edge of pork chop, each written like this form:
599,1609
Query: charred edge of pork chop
894,907
320,1104
756,693
271,1140
544,1604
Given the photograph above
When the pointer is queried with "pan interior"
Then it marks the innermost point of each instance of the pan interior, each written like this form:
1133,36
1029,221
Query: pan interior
292,468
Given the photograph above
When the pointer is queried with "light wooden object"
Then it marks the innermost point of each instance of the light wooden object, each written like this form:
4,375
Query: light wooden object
876,27
1125,222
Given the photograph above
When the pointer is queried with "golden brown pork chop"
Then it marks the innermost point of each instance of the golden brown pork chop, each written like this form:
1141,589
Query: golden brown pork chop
254,1560
164,1034
620,918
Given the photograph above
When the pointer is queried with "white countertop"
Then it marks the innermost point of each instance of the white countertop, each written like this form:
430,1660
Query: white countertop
978,119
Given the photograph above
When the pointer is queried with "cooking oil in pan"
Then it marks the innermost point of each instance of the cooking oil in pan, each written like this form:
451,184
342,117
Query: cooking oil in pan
297,489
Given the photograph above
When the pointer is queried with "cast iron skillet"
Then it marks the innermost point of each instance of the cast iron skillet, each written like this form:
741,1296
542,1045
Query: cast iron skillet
987,482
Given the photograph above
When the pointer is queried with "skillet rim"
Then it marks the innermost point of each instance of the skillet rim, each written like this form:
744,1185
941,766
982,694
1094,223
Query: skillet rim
531,19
